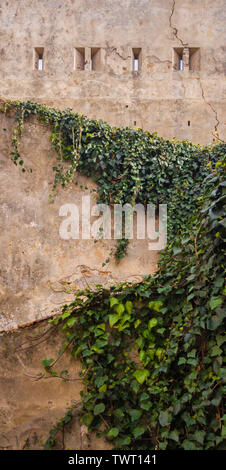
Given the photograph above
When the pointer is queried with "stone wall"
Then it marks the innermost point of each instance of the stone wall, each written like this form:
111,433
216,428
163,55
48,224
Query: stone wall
37,267
188,104
39,270
30,406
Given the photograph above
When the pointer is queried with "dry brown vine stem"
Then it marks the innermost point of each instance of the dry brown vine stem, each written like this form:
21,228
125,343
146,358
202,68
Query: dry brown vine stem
20,348
66,379
105,422
24,367
58,358
43,376
195,241
216,136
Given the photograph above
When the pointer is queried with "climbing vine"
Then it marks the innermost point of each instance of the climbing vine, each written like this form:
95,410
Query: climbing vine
152,352
128,165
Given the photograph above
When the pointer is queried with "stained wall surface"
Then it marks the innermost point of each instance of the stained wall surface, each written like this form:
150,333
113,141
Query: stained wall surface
39,270
69,35
30,406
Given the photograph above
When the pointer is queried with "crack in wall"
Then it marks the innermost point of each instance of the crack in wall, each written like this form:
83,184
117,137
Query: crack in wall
174,29
121,57
158,60
211,107
111,50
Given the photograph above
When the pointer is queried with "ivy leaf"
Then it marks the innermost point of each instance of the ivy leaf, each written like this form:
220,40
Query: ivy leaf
135,414
216,351
152,323
215,302
47,363
155,305
98,409
87,419
119,413
138,431
113,318
129,306
141,375
71,321
189,445
146,405
215,320
66,314
181,361
119,309
177,250
124,441
199,436
165,418
137,323
174,435
113,433
223,432
99,381
113,301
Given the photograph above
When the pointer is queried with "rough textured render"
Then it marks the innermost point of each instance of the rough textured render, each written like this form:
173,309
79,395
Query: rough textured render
29,408
74,36
38,267
81,54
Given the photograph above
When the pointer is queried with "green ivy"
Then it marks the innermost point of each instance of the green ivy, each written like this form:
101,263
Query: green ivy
170,395
152,352
128,165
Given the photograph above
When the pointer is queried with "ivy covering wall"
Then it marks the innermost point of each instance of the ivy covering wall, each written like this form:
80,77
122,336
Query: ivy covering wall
128,165
152,352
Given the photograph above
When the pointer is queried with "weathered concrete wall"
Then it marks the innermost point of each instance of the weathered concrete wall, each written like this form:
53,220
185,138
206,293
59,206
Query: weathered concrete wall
29,408
38,267
188,104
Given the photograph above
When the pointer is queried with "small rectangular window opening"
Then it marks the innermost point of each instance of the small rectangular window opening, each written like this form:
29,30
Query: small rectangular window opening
189,123
194,59
136,56
38,58
186,58
178,58
40,64
79,62
95,60
135,65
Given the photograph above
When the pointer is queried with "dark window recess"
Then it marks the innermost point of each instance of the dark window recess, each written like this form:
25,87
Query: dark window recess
79,58
135,65
38,58
194,59
95,60
186,58
189,123
137,59
178,58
